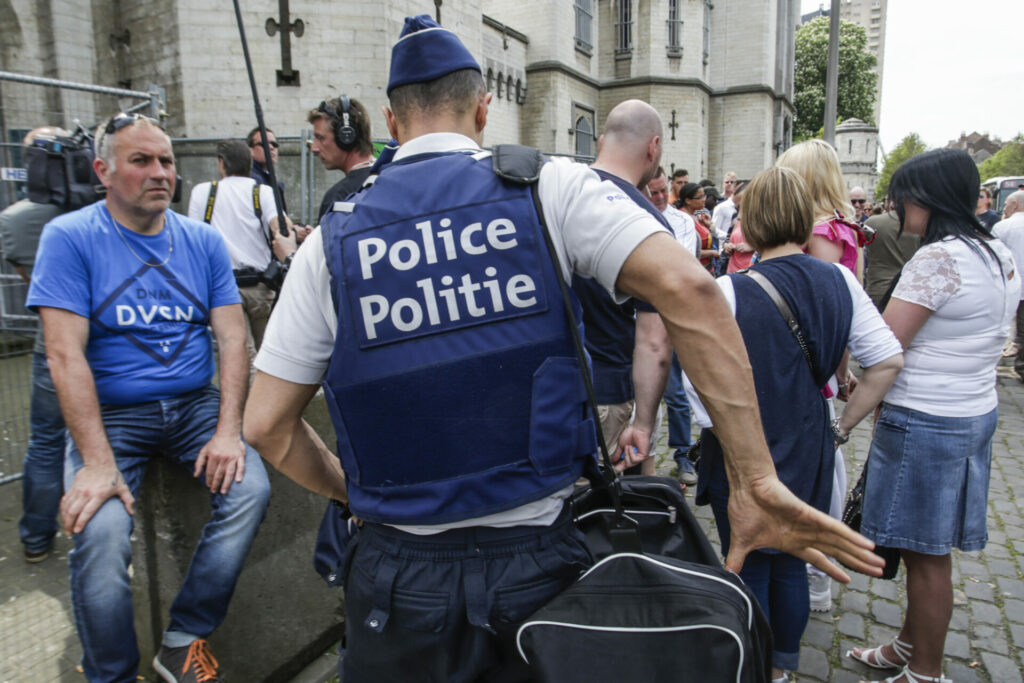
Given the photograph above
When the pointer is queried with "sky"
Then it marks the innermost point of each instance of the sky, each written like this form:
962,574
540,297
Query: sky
950,67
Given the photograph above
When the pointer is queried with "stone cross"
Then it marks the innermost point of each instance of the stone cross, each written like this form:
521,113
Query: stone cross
673,124
286,75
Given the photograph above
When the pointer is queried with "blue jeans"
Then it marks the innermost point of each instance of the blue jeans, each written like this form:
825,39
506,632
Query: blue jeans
678,412
100,587
42,479
779,582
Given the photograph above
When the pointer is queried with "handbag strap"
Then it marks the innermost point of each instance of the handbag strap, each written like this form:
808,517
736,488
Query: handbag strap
784,310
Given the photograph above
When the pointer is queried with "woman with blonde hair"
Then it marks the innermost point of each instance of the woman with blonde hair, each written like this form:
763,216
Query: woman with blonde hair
834,238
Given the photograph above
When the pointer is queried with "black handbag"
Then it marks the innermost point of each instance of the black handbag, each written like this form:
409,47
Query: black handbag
853,513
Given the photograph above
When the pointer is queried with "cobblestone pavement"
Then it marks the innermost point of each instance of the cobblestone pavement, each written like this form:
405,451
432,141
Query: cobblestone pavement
986,635
985,642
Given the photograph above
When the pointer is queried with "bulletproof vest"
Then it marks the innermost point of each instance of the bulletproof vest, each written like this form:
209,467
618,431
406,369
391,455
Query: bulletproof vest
453,385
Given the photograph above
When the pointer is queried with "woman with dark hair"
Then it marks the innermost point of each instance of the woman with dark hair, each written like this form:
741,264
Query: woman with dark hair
691,200
833,312
926,488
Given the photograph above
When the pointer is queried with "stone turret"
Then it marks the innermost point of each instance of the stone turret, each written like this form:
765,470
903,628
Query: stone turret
857,145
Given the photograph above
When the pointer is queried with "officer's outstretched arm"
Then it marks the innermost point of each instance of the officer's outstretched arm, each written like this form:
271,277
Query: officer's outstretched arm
762,511
273,425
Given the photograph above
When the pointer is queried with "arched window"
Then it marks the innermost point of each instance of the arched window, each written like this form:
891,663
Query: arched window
490,80
520,95
501,83
584,131
508,87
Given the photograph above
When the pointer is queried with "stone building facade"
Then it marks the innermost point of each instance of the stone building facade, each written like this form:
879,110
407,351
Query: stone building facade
720,74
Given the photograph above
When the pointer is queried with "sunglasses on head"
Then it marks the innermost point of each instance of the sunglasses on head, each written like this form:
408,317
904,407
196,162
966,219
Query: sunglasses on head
121,120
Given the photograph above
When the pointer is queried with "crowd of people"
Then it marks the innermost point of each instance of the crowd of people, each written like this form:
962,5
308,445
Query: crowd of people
431,314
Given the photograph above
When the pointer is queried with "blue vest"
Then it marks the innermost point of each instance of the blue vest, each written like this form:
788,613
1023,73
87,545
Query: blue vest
794,414
453,385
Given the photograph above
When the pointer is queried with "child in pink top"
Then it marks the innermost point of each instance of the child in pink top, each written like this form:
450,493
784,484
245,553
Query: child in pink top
740,253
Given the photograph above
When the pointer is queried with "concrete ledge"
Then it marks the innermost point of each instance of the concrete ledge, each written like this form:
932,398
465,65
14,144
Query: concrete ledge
283,616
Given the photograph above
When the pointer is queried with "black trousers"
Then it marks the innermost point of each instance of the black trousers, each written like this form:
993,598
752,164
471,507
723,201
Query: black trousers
446,607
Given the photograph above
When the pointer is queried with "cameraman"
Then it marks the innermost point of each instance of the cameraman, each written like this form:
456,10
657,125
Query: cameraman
246,215
21,224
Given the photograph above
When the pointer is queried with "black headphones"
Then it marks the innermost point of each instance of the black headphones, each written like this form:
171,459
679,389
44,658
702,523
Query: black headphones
345,134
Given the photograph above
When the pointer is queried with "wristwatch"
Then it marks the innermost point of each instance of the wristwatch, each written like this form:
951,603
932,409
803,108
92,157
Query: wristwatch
839,437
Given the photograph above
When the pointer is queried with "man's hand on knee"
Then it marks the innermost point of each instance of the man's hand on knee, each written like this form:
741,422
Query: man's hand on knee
92,486
223,458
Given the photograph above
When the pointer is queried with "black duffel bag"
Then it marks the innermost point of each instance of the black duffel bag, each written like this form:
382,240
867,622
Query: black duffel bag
647,618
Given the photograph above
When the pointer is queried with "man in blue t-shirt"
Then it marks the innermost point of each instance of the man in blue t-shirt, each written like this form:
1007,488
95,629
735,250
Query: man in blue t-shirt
627,342
126,290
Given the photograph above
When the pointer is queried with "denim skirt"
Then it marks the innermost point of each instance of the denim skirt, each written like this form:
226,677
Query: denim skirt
927,481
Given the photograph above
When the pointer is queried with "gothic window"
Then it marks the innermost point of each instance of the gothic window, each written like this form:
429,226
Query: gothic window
624,28
520,91
584,21
501,83
490,80
675,30
508,87
584,131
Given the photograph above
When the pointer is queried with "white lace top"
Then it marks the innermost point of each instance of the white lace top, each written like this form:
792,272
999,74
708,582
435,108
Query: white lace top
949,368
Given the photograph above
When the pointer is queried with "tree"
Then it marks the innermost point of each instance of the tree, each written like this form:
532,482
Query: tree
1007,161
857,82
909,146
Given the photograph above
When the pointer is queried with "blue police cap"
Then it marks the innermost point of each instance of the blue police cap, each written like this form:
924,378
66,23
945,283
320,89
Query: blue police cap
425,51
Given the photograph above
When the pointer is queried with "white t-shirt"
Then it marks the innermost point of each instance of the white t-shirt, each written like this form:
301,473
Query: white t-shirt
685,229
721,218
1011,232
949,367
594,225
871,341
234,217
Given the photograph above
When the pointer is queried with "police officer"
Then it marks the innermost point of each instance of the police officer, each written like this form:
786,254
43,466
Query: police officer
433,319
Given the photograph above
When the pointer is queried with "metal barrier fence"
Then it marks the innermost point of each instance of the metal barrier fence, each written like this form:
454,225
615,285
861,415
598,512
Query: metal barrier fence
27,102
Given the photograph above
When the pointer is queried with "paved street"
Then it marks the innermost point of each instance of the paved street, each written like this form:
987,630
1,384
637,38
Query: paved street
985,643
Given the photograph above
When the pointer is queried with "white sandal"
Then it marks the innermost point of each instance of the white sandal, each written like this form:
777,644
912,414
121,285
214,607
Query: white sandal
912,677
874,658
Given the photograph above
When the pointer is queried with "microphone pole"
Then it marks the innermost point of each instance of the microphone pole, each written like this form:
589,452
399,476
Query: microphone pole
282,226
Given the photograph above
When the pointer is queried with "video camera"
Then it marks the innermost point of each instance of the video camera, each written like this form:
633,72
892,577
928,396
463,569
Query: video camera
60,170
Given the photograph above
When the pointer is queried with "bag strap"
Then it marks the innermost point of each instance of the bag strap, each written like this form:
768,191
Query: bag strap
521,165
209,202
256,201
888,292
785,311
